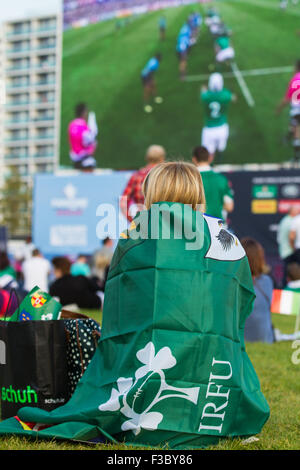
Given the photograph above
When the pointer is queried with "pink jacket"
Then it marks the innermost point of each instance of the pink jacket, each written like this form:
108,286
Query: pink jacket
82,140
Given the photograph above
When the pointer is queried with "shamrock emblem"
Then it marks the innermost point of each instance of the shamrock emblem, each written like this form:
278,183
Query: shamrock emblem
129,396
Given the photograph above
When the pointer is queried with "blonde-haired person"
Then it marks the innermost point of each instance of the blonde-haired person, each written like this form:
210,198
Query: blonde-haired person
174,182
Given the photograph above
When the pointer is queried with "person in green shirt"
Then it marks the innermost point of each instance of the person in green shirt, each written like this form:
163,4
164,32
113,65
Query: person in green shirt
7,273
224,50
216,101
219,195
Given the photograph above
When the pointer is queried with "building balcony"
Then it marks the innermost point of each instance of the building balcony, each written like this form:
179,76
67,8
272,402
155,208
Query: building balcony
18,87
43,103
41,49
17,104
16,142
20,51
45,84
18,69
17,34
12,156
46,29
12,123
39,120
44,137
49,156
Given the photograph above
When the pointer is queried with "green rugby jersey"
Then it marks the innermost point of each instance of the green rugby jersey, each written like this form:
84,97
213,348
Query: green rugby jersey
216,186
223,42
216,107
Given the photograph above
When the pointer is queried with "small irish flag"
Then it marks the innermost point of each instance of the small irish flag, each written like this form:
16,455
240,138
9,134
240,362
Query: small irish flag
285,302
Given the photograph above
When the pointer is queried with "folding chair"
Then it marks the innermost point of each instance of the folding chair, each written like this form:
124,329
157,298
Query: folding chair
287,302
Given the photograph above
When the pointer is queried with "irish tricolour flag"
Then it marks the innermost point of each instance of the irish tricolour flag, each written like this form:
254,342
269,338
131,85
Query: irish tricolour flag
285,302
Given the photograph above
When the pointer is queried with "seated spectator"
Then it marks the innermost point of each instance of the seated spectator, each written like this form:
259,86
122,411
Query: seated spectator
258,326
293,277
101,262
71,289
7,273
36,272
81,267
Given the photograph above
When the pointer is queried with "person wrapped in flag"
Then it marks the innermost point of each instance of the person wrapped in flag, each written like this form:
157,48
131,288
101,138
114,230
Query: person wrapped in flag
171,366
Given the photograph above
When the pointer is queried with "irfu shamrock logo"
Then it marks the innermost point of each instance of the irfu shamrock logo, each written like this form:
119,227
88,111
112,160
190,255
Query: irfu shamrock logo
129,395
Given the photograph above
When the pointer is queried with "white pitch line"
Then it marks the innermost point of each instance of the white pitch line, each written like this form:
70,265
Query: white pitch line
243,85
244,73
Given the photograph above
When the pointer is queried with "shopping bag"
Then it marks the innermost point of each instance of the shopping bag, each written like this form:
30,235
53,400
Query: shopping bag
37,305
33,365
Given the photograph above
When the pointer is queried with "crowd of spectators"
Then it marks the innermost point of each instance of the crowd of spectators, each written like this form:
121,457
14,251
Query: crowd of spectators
92,11
78,284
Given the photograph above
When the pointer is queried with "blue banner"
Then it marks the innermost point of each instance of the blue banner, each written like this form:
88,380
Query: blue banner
72,214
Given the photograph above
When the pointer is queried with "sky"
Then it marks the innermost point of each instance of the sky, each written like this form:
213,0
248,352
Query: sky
16,9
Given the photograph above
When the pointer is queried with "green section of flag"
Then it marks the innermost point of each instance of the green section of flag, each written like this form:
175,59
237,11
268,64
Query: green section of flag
37,305
171,366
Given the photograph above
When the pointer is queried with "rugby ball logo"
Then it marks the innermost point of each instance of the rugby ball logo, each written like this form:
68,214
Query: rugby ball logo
135,398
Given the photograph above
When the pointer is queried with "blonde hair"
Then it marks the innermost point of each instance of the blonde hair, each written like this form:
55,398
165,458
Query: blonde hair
155,154
174,182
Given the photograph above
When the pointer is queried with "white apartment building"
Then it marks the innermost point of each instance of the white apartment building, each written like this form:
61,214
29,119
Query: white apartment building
30,69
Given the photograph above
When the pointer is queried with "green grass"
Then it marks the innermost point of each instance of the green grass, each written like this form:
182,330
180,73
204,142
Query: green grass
102,67
279,379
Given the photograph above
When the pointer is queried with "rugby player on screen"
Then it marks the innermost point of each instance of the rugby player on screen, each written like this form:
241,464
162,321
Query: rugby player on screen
149,83
292,99
182,49
82,132
216,100
224,50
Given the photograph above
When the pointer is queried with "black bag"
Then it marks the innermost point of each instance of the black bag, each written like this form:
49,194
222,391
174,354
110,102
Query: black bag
33,366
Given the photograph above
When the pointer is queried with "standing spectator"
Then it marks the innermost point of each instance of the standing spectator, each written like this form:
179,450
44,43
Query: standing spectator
7,273
133,198
70,290
27,249
81,267
293,277
294,237
218,194
283,238
36,272
258,326
101,261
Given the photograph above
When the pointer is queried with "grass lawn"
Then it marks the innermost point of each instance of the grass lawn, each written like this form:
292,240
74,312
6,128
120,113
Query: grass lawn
102,65
280,384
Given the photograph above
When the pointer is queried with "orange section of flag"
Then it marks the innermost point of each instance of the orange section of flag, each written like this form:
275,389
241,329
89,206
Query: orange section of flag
275,307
